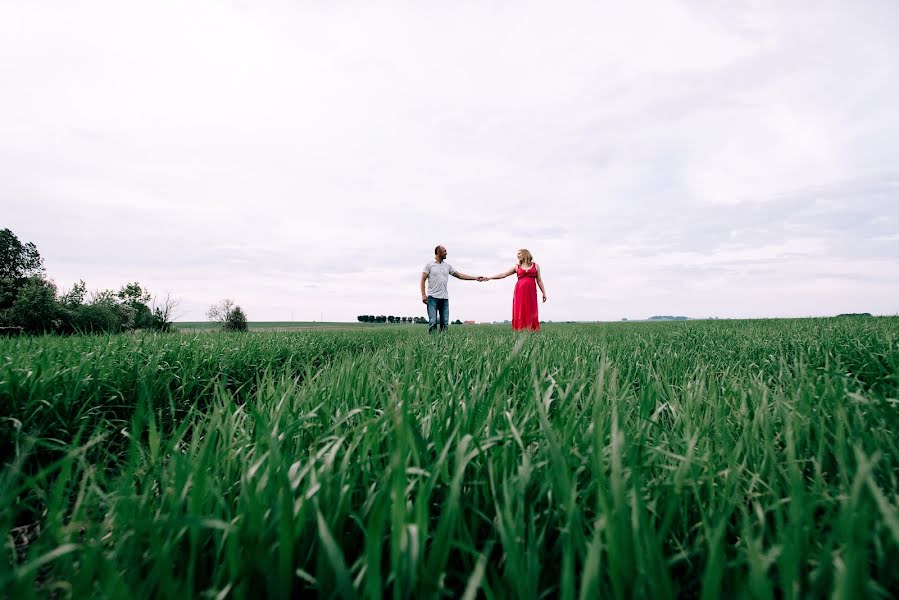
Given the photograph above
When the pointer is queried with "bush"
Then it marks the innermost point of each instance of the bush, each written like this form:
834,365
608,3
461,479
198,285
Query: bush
143,316
236,321
28,301
9,291
102,316
161,321
35,309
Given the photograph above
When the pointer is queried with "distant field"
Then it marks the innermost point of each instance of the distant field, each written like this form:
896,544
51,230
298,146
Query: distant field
744,459
282,325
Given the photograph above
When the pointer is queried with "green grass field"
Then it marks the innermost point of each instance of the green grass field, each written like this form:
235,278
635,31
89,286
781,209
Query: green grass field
754,459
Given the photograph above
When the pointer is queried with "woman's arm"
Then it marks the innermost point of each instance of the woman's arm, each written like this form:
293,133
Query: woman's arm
504,274
540,283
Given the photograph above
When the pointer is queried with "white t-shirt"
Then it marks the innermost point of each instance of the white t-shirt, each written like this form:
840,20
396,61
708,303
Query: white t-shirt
438,276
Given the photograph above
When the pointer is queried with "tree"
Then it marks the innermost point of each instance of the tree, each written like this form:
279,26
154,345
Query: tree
219,312
9,291
108,296
75,296
231,317
102,316
236,321
18,263
116,311
35,309
18,260
134,306
133,293
28,300
164,312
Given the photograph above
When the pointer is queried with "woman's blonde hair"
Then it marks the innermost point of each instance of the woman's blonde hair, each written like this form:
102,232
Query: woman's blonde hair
526,256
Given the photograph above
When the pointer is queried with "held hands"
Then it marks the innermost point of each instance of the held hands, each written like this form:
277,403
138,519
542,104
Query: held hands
482,278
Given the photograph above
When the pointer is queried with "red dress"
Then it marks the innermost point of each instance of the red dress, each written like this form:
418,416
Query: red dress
524,300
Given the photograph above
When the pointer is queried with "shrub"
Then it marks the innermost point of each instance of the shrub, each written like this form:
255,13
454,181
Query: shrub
236,321
101,316
35,309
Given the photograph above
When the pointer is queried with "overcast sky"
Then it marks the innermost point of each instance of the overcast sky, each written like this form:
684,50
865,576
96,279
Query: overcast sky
304,158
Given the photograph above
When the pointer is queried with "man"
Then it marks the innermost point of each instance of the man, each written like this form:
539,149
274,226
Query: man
436,273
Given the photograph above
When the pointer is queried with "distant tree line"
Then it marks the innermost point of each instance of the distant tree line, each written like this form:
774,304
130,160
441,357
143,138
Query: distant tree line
392,319
30,303
389,319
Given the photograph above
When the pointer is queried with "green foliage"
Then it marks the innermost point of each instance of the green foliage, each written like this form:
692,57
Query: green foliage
632,460
9,291
143,317
35,308
100,316
161,319
107,296
230,316
20,266
75,296
236,321
18,260
384,319
28,300
133,294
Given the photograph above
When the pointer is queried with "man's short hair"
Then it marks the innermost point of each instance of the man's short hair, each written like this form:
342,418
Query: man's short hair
437,249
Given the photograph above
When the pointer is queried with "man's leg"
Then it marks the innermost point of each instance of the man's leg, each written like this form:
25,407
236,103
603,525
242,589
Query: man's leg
444,314
432,314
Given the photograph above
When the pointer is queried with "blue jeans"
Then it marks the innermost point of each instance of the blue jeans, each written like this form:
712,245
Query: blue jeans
436,305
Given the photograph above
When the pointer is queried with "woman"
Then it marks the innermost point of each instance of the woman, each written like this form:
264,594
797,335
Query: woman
524,300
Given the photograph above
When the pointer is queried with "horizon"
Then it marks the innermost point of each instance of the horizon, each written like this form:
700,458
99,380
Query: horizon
686,158
655,318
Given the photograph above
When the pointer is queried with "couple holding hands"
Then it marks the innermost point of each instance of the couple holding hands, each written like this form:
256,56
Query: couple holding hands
524,301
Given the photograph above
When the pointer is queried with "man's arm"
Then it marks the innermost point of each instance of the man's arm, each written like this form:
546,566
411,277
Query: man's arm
461,275
424,297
